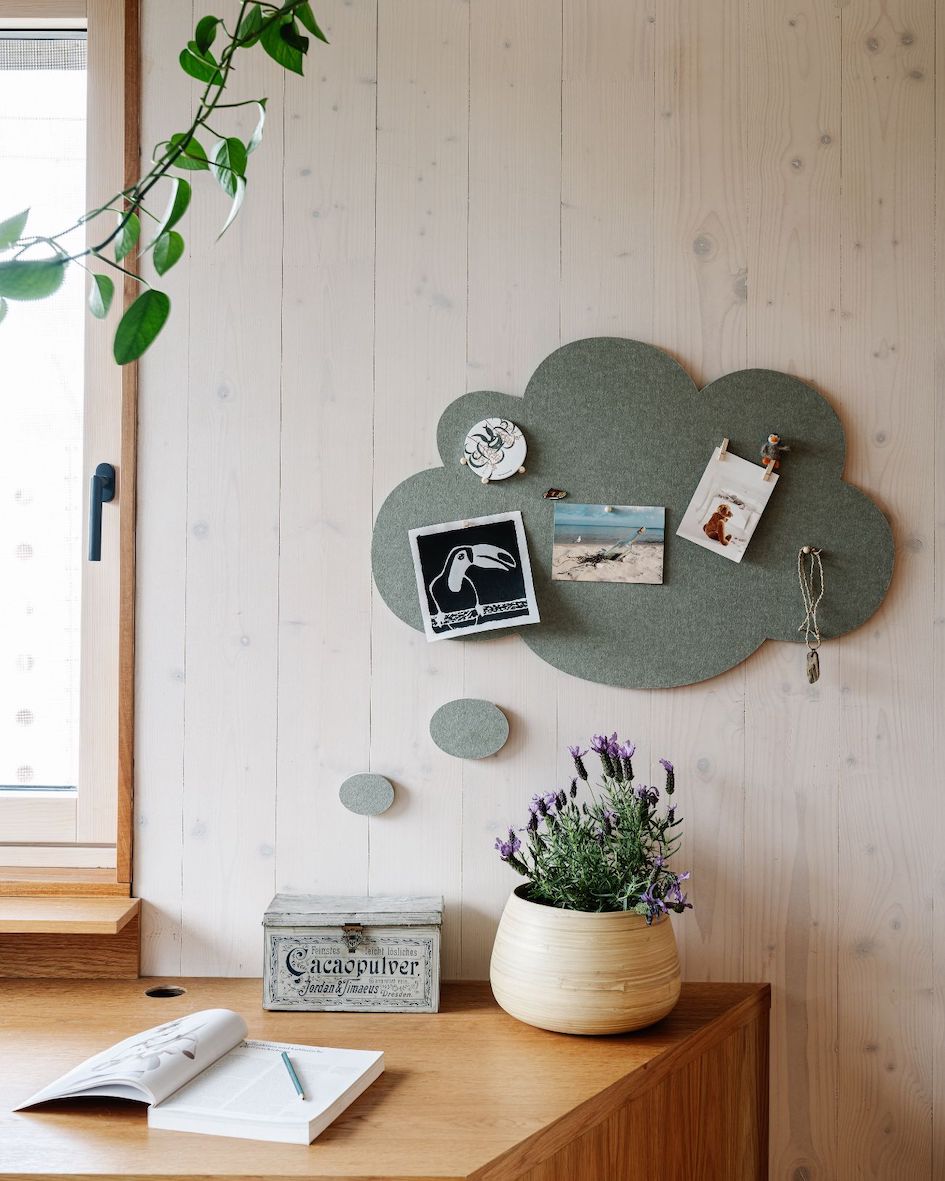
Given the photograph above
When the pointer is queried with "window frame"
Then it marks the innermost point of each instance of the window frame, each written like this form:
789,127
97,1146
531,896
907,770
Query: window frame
99,857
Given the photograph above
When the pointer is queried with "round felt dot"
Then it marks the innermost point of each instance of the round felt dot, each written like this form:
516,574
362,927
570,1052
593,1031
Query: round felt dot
469,728
366,794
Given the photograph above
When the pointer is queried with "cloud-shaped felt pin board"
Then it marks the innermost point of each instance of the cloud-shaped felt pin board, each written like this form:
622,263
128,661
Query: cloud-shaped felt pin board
620,422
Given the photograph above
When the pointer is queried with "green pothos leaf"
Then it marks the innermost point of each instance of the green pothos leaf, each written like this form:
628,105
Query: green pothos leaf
31,278
238,196
176,205
199,65
167,250
101,293
128,235
12,229
288,55
250,25
228,164
206,32
140,325
256,138
193,158
307,17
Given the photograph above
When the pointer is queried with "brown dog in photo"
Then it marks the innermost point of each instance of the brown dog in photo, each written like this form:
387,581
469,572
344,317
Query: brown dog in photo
715,526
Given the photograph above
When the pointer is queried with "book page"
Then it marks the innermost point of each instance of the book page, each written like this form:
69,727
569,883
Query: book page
252,1083
153,1064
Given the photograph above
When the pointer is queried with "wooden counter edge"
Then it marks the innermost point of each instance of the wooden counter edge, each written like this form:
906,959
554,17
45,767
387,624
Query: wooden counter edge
515,1162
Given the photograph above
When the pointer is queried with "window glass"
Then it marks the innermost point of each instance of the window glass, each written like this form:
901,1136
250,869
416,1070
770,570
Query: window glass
42,164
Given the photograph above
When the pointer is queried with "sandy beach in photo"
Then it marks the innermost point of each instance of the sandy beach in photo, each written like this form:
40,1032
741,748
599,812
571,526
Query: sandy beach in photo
641,563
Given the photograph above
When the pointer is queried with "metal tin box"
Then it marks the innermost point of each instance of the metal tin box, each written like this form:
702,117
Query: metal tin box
379,955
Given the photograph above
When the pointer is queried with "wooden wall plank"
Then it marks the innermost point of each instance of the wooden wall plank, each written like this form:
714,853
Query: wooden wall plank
420,367
513,285
791,785
701,210
938,684
886,789
606,254
327,451
162,538
233,520
700,251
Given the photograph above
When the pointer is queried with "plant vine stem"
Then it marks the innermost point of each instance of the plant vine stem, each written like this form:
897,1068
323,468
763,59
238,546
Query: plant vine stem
135,194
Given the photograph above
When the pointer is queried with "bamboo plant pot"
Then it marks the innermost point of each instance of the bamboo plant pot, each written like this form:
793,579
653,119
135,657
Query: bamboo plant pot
577,971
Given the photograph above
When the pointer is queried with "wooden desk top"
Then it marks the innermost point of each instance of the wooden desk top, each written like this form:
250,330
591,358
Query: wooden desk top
467,1093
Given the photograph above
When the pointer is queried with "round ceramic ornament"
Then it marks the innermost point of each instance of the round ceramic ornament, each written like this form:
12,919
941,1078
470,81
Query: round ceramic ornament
494,449
469,728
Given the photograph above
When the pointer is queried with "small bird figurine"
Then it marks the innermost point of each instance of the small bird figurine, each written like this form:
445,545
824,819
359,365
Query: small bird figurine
771,452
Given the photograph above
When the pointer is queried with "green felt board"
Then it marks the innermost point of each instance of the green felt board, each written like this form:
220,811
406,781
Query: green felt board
620,422
469,728
367,794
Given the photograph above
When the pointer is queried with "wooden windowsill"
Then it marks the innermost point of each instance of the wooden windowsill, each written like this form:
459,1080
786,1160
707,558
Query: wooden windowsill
21,882
66,915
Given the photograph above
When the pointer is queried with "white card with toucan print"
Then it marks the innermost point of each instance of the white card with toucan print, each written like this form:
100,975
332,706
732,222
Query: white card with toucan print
473,575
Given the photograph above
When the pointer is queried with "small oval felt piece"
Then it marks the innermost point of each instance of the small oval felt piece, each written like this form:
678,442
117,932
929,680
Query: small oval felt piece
469,728
367,794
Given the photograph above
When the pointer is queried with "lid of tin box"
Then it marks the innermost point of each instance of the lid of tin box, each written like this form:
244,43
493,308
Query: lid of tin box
334,910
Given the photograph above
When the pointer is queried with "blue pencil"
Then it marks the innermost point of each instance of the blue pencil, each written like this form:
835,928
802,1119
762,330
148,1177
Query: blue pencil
292,1075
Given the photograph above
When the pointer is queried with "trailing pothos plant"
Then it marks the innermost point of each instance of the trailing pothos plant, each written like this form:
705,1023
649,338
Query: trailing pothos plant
33,266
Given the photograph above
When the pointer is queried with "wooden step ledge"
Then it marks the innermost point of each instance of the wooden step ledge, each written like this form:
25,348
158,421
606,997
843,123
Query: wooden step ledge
66,915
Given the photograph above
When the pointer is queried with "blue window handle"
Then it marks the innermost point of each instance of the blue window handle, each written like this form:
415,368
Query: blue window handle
101,492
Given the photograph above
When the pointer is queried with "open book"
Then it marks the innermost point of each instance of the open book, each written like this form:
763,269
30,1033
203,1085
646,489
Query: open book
200,1074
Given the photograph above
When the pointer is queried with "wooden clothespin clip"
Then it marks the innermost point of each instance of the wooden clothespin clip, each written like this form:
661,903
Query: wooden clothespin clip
769,472
723,450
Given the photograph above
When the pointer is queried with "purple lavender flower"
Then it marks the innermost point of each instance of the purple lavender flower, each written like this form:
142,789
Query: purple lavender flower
551,799
533,806
626,752
507,848
578,755
647,795
560,800
671,814
532,825
573,788
600,745
670,776
655,905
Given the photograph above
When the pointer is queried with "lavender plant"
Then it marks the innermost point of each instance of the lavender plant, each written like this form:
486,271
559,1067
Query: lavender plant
608,852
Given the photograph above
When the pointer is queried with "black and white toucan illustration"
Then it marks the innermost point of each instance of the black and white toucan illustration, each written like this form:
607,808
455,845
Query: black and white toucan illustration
453,590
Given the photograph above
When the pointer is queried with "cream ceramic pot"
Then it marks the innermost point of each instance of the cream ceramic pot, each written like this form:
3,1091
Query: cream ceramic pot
577,971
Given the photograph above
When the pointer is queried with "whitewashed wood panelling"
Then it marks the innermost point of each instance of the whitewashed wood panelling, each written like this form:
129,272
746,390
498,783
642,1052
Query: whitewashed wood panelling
456,188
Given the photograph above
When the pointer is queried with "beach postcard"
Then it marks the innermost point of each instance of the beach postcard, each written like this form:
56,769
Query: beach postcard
608,543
